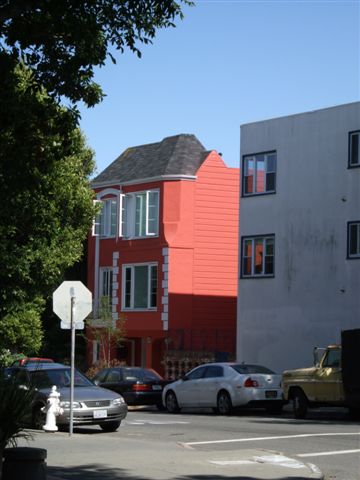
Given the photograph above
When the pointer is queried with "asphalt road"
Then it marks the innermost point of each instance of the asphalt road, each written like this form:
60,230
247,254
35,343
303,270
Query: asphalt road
327,439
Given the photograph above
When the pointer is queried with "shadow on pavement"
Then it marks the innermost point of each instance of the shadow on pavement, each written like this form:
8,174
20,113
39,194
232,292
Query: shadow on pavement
98,472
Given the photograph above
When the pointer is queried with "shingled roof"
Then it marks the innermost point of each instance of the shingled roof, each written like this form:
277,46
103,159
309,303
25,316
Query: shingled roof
178,155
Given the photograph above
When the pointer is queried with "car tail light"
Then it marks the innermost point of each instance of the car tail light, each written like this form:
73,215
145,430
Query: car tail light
250,382
141,387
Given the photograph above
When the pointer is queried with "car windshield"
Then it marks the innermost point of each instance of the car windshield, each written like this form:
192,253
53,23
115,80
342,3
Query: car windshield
245,369
59,377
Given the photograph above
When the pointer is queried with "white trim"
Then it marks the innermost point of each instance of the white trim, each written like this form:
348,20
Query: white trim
140,181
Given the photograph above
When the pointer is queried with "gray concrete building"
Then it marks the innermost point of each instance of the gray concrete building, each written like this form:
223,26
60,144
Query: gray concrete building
299,272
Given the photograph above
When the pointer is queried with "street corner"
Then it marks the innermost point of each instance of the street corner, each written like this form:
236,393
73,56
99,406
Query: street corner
270,465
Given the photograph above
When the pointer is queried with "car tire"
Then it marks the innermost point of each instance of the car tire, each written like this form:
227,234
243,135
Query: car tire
110,426
38,419
224,405
299,403
171,402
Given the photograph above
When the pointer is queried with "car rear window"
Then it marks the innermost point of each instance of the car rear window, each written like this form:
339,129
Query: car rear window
245,369
141,374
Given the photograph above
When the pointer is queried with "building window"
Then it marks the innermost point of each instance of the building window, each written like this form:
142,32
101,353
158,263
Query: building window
139,287
259,174
257,258
140,214
354,239
354,142
106,286
105,224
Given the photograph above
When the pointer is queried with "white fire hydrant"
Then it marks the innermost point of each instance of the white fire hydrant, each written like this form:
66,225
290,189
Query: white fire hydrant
52,409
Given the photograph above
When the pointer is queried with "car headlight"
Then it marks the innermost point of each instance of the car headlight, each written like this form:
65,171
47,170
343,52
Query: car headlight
118,401
66,405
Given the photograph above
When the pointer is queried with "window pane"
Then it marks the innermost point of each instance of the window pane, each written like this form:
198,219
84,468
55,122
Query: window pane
248,175
141,286
153,286
354,149
260,173
270,182
247,266
354,239
153,213
259,253
271,162
113,217
128,287
140,215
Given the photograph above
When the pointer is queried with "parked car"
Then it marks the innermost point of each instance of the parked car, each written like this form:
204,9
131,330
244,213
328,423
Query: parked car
28,360
92,405
139,386
224,386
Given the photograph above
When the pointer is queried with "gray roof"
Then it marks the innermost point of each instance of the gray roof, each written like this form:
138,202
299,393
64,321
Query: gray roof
178,155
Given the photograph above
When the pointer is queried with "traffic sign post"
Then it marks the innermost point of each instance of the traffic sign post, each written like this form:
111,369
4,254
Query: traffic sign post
72,303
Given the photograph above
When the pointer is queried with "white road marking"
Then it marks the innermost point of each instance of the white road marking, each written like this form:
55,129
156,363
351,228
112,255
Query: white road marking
319,454
154,422
279,437
278,460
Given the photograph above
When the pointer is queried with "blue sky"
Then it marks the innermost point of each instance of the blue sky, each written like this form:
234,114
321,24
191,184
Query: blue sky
229,62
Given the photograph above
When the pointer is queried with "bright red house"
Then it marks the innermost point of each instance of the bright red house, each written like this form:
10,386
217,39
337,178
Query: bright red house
164,253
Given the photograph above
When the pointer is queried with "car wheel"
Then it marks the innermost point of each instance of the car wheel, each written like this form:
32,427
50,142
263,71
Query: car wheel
224,405
172,405
300,404
38,417
110,426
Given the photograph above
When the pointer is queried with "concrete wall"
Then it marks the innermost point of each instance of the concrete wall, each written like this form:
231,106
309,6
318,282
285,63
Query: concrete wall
315,292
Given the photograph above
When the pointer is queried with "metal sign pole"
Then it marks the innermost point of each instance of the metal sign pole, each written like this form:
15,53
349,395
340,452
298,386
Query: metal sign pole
72,321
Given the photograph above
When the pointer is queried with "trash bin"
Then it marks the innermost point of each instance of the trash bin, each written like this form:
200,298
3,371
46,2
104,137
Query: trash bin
22,463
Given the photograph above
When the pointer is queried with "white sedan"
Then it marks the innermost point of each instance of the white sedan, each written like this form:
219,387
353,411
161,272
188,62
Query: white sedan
224,386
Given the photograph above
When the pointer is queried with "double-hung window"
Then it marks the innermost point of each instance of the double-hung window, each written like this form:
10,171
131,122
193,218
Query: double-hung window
257,258
105,224
354,239
139,287
259,173
354,150
140,214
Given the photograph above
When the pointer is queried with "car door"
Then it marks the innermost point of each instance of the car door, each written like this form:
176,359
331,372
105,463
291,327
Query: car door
210,384
113,381
188,391
328,381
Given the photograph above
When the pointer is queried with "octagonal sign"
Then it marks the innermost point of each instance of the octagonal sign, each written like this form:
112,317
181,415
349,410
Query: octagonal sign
82,302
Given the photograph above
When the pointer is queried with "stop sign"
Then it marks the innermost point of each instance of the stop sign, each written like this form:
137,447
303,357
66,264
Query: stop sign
82,303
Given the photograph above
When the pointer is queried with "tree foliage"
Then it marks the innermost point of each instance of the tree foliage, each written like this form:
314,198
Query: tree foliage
44,190
62,41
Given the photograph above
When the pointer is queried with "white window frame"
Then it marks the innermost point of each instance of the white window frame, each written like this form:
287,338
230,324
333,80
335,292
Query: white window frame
129,304
128,214
352,143
109,213
106,280
265,239
267,171
356,226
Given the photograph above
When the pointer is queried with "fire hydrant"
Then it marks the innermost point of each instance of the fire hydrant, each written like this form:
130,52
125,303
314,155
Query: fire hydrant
52,409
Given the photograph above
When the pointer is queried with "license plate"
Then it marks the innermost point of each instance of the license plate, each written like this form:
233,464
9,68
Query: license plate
100,413
271,394
157,387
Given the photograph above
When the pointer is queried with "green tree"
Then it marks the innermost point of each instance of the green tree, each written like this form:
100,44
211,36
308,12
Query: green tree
62,41
46,197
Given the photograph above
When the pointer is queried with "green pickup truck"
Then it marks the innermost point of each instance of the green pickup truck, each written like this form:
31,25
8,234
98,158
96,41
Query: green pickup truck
333,380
